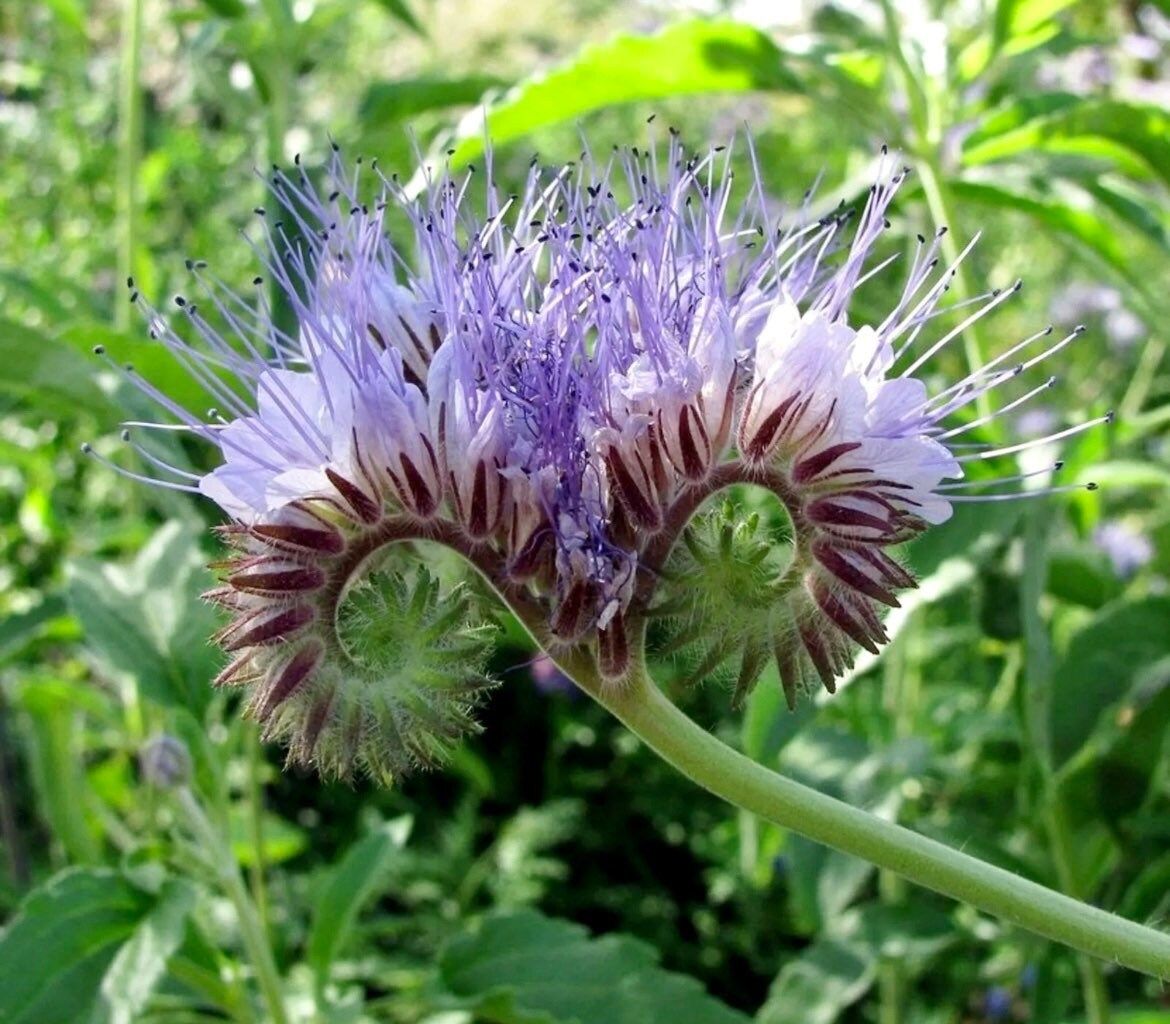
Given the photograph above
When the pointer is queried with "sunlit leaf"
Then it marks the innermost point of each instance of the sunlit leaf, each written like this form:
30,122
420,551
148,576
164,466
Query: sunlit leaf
695,56
1095,236
1135,135
388,103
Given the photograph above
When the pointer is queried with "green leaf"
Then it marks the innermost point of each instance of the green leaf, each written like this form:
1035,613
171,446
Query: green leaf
909,932
1134,135
1096,236
54,954
282,839
227,8
347,888
141,963
694,56
19,630
1120,473
816,986
400,11
56,756
524,968
1103,662
1015,18
388,103
1082,575
146,619
151,360
47,374
70,13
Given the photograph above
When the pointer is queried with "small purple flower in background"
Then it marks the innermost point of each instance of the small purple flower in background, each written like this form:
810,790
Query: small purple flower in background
1124,329
549,679
1084,300
164,761
997,1004
1127,549
1037,422
551,382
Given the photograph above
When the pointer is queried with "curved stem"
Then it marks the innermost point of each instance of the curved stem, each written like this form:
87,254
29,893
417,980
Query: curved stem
742,782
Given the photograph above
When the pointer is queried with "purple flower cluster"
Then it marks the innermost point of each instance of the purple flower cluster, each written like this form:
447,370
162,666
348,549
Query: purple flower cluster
556,378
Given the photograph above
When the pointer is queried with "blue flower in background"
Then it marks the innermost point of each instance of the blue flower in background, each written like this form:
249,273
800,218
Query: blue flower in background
1128,549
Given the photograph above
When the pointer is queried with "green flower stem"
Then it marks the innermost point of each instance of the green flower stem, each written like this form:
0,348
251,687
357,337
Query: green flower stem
227,870
710,763
1037,709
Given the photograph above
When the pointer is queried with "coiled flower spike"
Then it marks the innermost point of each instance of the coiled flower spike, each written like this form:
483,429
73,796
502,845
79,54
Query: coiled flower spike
552,387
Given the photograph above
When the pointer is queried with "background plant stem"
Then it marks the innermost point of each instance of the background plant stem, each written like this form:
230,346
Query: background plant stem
252,933
129,152
710,763
1037,707
258,867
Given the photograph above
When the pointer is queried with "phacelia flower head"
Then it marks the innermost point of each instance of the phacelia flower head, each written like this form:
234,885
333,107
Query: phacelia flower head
551,382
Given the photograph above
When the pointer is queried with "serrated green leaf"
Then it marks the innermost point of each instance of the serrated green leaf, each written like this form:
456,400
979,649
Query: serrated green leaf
141,963
146,619
347,888
525,968
55,953
693,56
1102,663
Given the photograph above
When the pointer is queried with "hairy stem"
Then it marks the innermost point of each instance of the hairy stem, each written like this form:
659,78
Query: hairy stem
710,763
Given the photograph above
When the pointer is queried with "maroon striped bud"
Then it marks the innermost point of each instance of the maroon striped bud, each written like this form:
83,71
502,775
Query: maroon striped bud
292,580
286,680
613,649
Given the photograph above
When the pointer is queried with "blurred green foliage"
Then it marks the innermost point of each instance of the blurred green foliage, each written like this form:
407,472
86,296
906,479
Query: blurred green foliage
558,871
